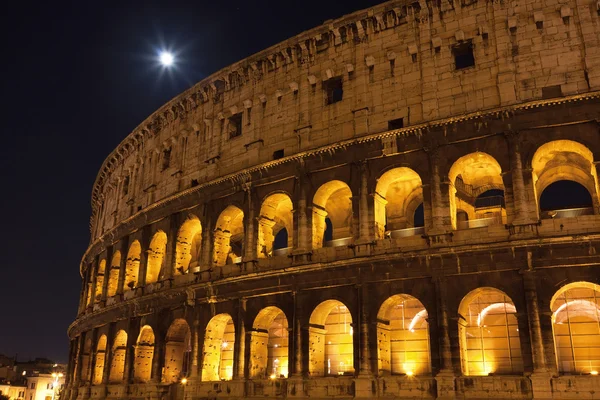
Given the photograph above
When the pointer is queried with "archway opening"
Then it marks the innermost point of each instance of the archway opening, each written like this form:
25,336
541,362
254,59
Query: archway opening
332,200
489,334
564,199
275,217
576,327
269,345
564,160
403,337
156,255
100,280
419,216
219,343
113,275
188,246
100,358
228,237
132,266
144,352
178,348
331,340
117,365
398,194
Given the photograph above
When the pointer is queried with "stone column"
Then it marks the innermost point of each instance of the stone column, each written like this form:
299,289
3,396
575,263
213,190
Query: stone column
302,241
122,265
77,360
158,358
297,336
195,349
445,378
107,268
250,228
110,337
133,330
93,355
441,219
145,244
240,342
366,207
520,204
363,328
531,195
170,258
206,258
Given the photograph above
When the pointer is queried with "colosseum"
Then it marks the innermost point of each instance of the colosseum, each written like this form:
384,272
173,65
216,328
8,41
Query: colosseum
362,211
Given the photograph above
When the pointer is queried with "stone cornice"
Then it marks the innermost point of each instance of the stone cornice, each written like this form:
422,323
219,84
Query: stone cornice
243,175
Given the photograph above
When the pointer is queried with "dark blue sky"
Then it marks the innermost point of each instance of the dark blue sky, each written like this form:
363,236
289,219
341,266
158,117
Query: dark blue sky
77,78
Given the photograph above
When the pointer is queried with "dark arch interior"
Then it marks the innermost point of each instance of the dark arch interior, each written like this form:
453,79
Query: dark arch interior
281,239
328,235
419,217
562,195
490,198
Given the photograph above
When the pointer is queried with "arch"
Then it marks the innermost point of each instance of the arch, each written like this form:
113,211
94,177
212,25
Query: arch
228,237
178,348
219,344
100,359
100,280
332,200
188,246
156,255
395,194
144,352
554,204
489,334
113,274
269,344
85,360
117,365
471,175
132,266
564,160
275,216
403,336
576,327
331,340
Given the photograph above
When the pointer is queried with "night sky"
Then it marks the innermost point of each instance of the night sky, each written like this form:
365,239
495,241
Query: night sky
77,78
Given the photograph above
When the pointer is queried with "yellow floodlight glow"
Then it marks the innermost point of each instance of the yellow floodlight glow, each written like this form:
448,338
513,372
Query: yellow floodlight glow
183,381
594,372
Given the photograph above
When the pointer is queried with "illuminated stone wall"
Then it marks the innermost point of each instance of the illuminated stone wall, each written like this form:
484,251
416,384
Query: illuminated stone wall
373,226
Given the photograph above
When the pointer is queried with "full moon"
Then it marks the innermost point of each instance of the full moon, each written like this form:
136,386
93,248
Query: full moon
166,58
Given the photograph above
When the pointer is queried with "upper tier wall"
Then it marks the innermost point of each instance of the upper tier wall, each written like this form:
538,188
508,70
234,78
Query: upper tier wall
394,61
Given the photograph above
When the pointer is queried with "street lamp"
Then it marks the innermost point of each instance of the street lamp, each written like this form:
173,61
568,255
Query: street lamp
56,377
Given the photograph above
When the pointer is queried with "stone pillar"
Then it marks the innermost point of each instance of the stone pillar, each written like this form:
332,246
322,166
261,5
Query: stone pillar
302,240
520,204
145,244
240,342
531,194
265,240
250,228
195,349
107,268
206,258
77,361
122,265
445,377
158,358
366,207
297,335
363,328
441,219
93,355
110,337
133,331
170,258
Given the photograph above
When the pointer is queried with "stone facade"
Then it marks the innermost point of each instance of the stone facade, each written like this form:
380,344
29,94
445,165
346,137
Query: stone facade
259,235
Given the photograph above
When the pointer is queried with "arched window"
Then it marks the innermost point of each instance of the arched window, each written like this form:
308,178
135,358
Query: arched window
85,360
576,326
332,200
275,217
177,351
188,246
473,176
156,255
100,357
398,194
269,345
331,340
219,342
489,334
100,281
113,275
117,365
564,160
228,237
419,216
403,336
144,352
132,266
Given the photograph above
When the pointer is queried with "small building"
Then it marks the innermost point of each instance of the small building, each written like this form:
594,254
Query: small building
44,386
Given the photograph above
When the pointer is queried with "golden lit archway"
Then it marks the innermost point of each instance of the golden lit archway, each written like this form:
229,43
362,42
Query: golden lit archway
489,334
100,280
113,275
275,215
144,352
576,326
332,200
471,176
132,266
188,246
156,255
331,340
403,337
397,195
564,160
99,360
228,237
178,348
219,343
269,344
117,365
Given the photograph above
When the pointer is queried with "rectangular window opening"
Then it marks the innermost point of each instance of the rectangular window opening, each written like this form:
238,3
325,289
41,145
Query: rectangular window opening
235,125
166,161
396,124
277,154
333,90
463,55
